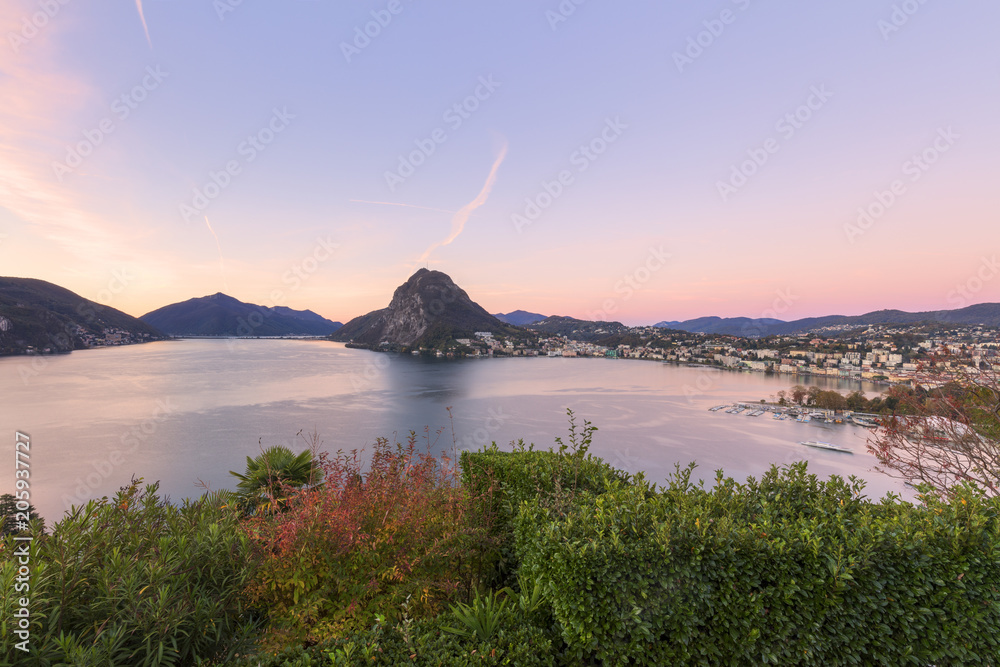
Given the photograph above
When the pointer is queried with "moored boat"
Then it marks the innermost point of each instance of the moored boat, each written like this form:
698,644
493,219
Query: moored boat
817,444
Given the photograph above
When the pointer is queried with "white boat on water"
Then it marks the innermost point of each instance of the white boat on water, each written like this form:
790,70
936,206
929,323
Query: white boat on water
717,408
863,422
826,445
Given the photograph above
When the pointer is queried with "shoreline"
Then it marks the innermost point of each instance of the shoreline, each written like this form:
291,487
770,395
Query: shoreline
540,354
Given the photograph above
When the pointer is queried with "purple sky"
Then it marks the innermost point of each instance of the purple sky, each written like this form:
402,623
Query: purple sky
629,161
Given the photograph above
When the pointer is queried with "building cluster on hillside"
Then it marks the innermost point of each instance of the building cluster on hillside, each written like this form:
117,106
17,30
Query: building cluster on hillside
107,337
879,353
560,347
110,336
486,345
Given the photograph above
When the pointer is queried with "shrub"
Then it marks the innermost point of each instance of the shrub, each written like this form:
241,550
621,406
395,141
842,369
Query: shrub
423,642
481,619
787,570
133,581
271,476
356,546
9,512
503,480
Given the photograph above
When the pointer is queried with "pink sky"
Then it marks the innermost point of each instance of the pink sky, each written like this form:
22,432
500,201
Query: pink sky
628,158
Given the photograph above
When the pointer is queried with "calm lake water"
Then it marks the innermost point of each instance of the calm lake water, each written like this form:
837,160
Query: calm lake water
184,411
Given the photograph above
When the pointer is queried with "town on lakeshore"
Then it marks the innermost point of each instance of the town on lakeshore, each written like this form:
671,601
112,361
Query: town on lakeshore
878,353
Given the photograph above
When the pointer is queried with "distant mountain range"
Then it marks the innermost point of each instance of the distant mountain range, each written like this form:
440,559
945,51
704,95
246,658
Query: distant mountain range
37,315
428,310
987,314
222,315
519,318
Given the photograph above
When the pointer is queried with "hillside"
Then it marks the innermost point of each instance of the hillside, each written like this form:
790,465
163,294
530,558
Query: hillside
222,315
574,329
987,314
428,310
742,326
37,316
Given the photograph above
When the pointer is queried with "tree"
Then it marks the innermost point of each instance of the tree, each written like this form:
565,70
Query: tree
799,394
812,395
947,435
830,400
856,400
8,507
270,476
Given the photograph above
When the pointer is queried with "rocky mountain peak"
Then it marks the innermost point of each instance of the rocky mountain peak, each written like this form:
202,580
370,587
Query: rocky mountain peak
428,308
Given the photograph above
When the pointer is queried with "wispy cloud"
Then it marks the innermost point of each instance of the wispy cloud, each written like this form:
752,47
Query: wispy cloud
462,216
38,119
222,262
142,17
36,96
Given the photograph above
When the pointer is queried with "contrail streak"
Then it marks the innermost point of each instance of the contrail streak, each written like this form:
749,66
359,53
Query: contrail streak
142,17
391,203
222,263
462,216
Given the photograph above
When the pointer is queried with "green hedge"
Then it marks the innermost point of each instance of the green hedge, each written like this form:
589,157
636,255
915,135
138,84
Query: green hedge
501,481
787,570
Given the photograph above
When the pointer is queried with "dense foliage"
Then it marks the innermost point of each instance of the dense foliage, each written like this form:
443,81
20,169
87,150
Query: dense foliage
787,570
8,510
270,477
898,399
503,480
518,640
132,581
358,546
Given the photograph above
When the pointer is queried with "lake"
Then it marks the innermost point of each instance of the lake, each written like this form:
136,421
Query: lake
189,411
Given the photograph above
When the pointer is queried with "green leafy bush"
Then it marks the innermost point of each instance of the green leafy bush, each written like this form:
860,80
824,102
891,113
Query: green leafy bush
503,480
133,581
787,570
424,642
481,619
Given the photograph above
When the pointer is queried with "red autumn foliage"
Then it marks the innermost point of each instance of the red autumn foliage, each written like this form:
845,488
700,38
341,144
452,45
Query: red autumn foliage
946,435
361,544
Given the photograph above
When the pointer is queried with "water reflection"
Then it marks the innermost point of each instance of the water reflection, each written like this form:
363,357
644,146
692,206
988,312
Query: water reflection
189,410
